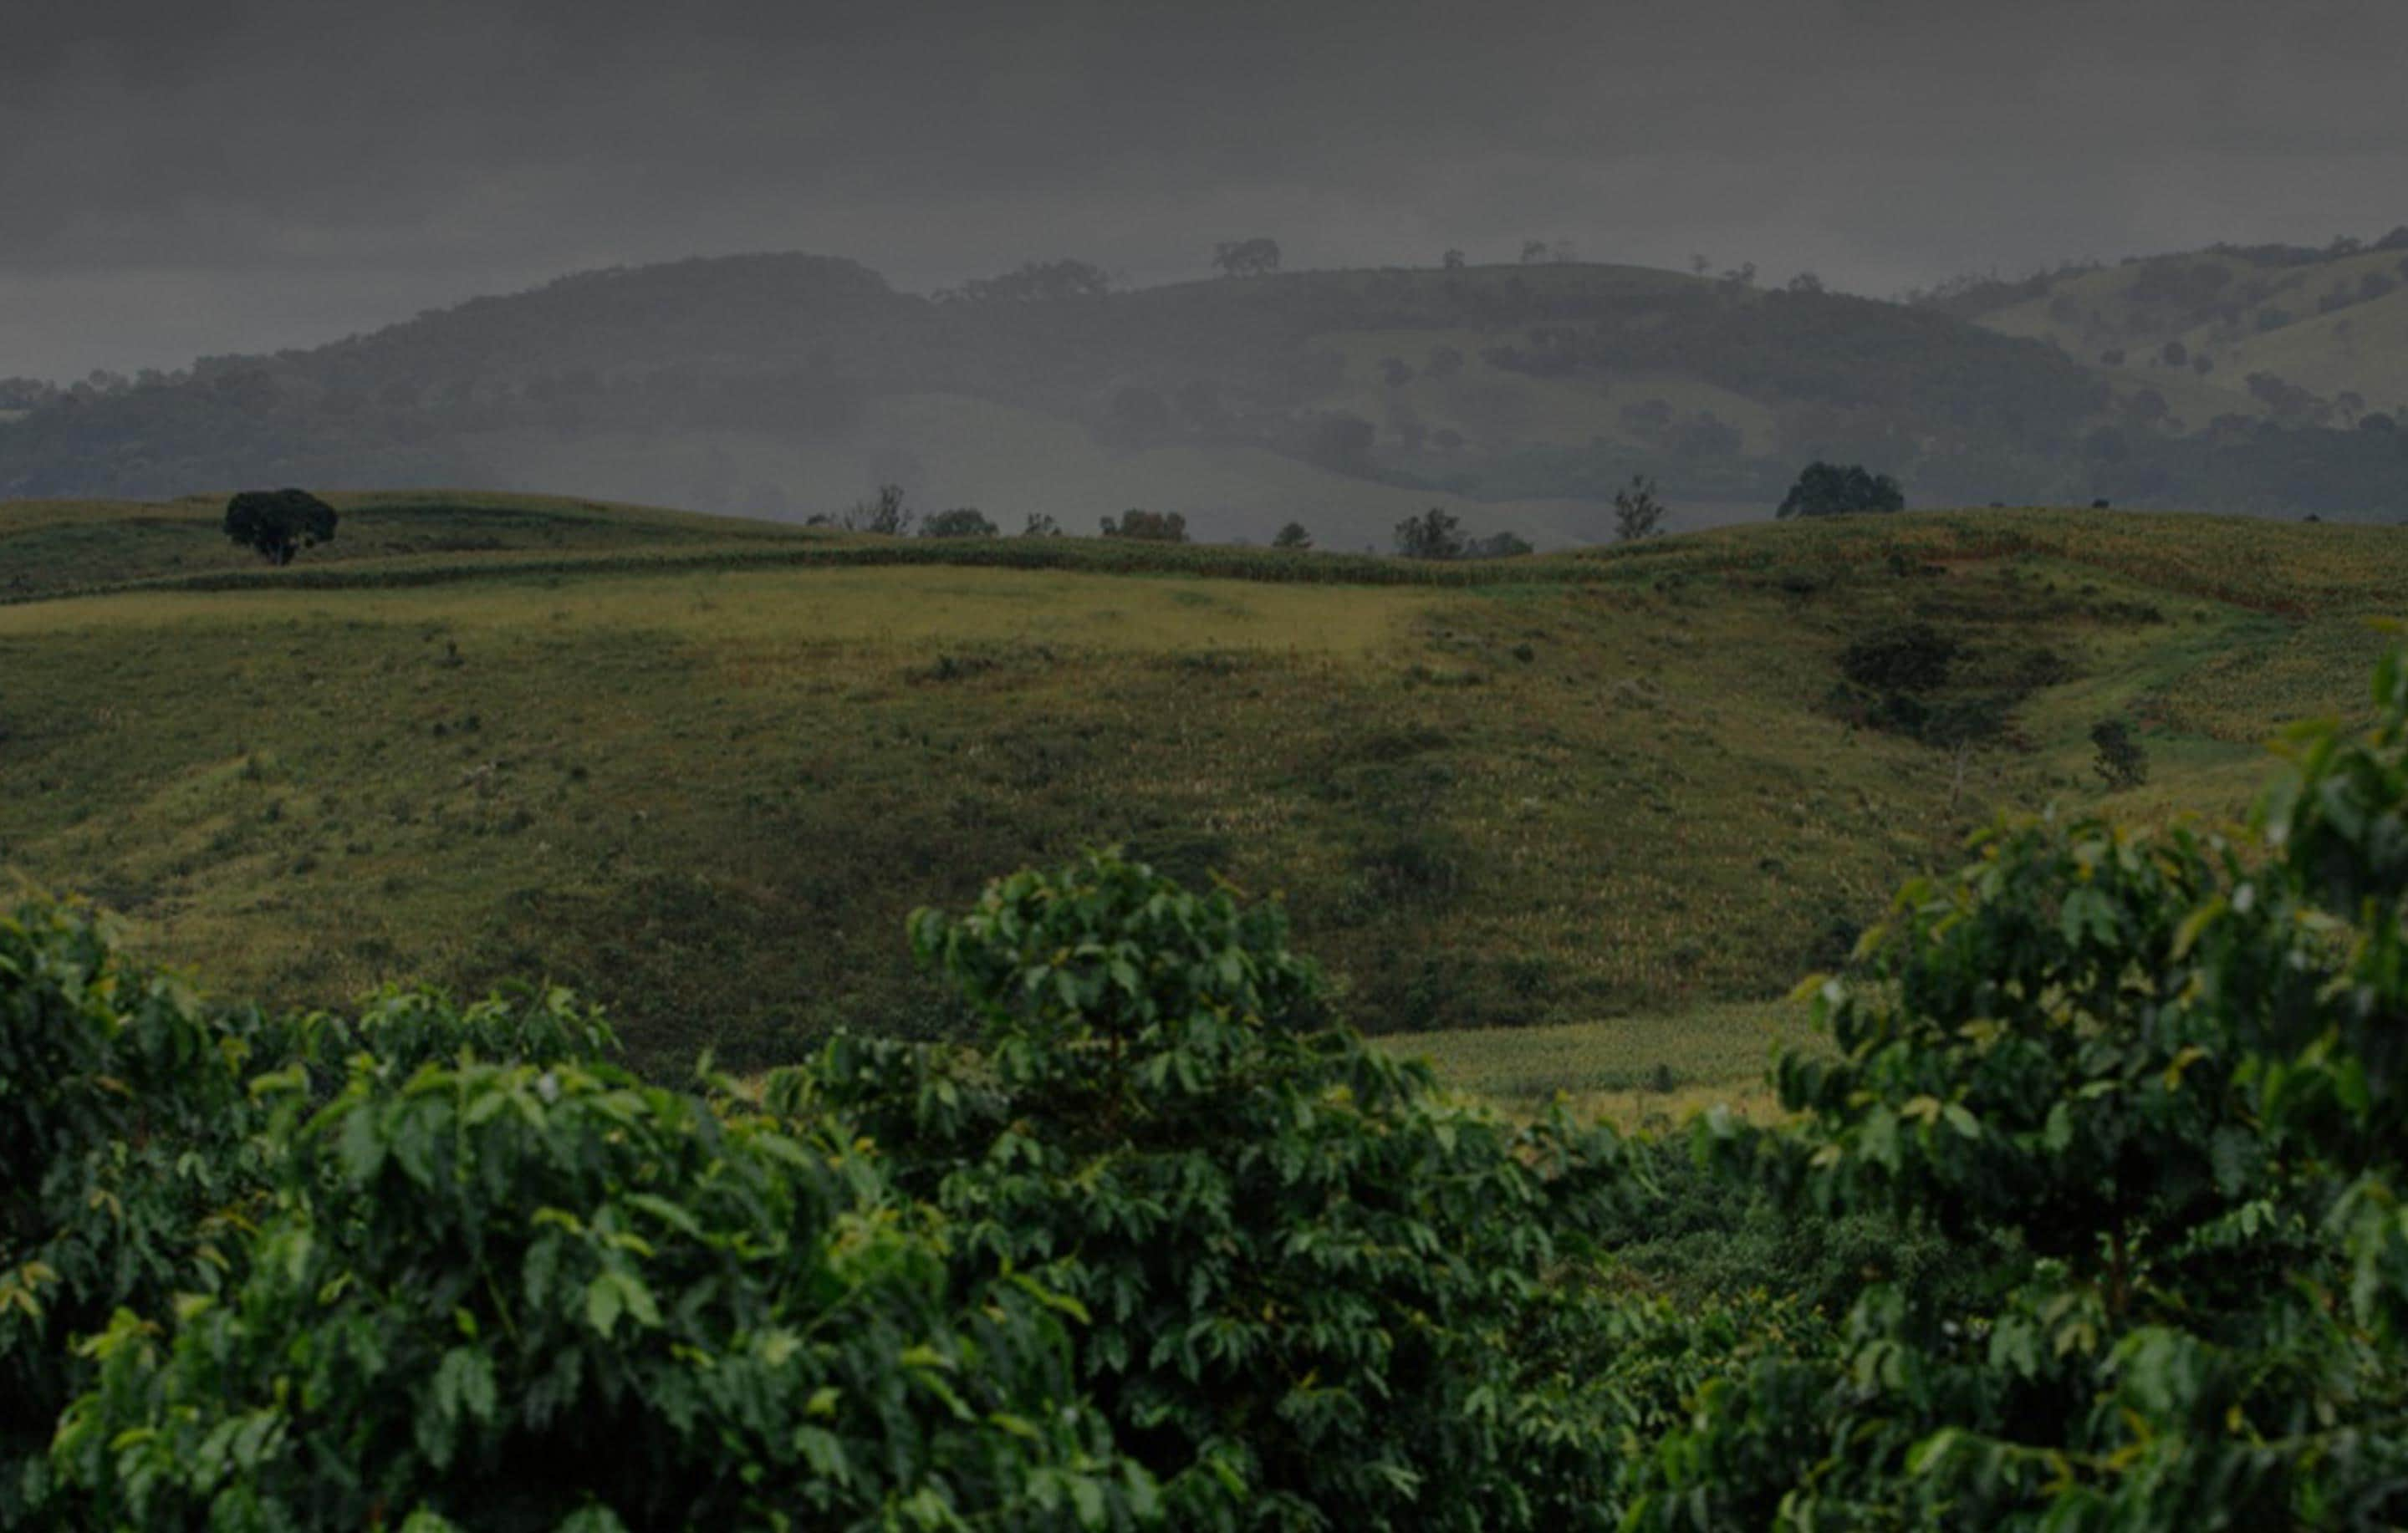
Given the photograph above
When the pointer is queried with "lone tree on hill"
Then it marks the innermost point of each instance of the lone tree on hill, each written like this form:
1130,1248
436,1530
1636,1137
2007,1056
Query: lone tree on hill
1498,545
1637,512
962,522
1825,489
279,524
1254,257
1148,526
1293,536
1037,282
1433,535
884,514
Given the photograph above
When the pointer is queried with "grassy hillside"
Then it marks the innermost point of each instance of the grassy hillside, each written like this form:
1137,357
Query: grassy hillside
2198,326
48,547
704,775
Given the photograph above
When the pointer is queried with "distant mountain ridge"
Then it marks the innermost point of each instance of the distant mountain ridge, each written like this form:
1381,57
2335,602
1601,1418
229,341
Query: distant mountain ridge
787,385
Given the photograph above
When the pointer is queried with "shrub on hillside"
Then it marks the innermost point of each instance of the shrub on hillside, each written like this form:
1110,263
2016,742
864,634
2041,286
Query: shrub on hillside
1638,510
962,522
883,513
1902,658
1148,526
2121,760
279,524
1498,545
1436,533
1828,489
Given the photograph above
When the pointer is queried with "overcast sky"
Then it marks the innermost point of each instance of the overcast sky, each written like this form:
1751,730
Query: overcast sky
180,177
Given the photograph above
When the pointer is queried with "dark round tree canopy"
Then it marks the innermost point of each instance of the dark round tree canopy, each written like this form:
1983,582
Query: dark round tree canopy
278,522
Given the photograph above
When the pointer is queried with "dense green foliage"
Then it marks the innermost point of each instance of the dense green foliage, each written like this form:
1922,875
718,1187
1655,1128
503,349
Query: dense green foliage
1313,1278
434,1267
2158,1079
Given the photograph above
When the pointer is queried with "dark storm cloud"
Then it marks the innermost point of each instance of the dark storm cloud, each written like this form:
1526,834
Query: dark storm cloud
186,175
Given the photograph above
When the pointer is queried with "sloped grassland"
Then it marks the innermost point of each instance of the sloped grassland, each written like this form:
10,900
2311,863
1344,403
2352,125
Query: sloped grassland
703,769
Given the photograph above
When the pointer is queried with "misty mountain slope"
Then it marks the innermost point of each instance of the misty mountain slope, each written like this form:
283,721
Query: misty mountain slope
2198,326
709,790
799,346
950,450
794,384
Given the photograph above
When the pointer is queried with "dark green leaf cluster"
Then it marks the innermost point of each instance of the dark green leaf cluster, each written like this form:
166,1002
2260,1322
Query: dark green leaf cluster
1901,657
438,1267
1143,526
2158,1078
279,524
1436,533
1321,1295
1828,489
961,522
126,1171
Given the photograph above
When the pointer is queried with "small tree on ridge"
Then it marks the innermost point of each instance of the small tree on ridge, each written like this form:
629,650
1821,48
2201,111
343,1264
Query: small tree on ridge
279,524
1637,512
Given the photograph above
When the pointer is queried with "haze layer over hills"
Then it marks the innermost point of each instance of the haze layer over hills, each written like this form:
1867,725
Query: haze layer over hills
2270,379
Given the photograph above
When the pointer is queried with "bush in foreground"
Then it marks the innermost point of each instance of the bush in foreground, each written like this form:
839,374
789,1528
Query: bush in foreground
2160,1078
436,1268
1316,1286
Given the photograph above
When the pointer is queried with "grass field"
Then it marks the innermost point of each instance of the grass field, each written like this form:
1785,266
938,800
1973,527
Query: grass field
1648,1071
48,548
1575,820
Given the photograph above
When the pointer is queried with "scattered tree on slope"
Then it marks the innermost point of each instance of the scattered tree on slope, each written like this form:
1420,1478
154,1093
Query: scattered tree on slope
279,524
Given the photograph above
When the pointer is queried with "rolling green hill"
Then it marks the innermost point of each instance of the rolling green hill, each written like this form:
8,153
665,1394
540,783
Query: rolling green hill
703,769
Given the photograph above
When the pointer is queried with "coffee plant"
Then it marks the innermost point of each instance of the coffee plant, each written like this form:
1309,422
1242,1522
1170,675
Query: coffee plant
436,1267
1320,1292
2158,1079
